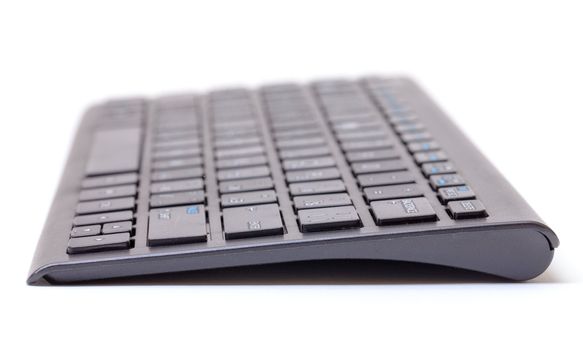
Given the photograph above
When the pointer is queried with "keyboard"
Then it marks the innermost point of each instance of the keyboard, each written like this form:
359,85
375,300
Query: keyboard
336,169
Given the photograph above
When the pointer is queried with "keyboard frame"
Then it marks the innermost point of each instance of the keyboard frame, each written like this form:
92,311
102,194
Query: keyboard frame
512,242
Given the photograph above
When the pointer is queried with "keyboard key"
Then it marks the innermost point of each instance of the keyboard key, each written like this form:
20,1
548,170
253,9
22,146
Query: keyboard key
316,187
238,142
109,180
124,143
406,210
438,168
91,219
410,127
365,145
176,163
248,198
416,137
176,198
309,163
304,152
320,219
177,225
116,227
176,153
177,174
108,192
428,157
174,144
83,231
322,201
379,166
379,179
176,186
422,146
240,162
105,205
253,221
99,243
239,152
302,142
466,209
392,192
243,173
264,183
312,175
438,181
352,135
447,194
363,156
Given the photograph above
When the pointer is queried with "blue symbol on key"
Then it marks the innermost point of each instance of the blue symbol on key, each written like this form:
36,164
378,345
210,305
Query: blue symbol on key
425,146
192,210
463,189
433,157
441,182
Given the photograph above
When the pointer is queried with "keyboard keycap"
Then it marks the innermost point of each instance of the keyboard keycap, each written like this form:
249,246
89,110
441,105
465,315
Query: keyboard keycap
438,181
309,163
422,146
243,173
248,198
124,143
391,178
406,210
302,142
263,183
363,156
177,174
176,153
239,152
447,194
344,217
466,209
240,162
106,205
108,192
304,152
253,221
392,192
176,163
378,166
91,219
366,145
416,137
176,186
312,175
438,168
316,187
116,227
177,225
322,201
176,198
99,243
109,180
83,231
428,157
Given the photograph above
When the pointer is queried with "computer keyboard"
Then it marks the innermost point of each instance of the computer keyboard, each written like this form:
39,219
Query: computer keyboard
336,169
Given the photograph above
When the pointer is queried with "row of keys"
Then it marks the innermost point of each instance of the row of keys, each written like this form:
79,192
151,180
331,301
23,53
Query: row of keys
387,184
452,190
107,200
314,181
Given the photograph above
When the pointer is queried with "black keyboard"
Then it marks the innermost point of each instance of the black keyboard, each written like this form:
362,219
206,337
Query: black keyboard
338,169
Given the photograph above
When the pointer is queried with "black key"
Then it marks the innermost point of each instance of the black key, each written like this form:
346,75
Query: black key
312,175
260,220
316,187
105,205
322,201
392,192
301,142
177,186
248,198
116,227
91,219
328,218
429,157
238,142
108,192
308,163
263,183
466,209
409,128
358,125
437,168
239,152
422,146
240,162
177,225
379,166
416,137
365,145
447,194
176,198
83,231
114,151
392,178
109,180
243,173
438,181
287,134
176,163
174,144
176,153
99,243
176,174
304,152
407,210
362,135
379,154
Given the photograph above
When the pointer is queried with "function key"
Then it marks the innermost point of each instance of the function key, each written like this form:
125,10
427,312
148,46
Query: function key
438,181
99,243
428,157
447,194
328,218
409,128
437,168
407,210
466,209
422,146
416,137
254,221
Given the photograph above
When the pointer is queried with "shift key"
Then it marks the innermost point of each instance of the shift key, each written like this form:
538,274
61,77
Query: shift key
177,225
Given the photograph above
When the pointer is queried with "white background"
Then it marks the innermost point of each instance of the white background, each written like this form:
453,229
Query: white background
509,73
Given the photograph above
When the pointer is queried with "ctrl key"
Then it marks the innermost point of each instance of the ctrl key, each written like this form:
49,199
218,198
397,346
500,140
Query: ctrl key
99,243
466,209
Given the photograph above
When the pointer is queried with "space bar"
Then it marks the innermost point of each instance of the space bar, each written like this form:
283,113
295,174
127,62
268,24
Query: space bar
114,151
